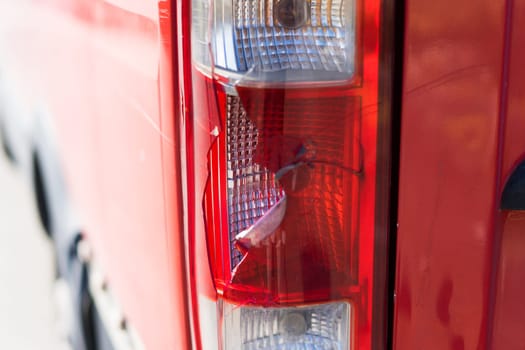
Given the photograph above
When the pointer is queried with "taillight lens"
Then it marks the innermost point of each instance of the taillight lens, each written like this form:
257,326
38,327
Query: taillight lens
293,164
284,135
278,40
316,327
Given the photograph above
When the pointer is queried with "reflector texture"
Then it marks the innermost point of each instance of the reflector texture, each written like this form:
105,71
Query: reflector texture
252,189
261,41
320,327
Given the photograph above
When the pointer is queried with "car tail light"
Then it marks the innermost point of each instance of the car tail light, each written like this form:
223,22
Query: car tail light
307,327
277,40
282,133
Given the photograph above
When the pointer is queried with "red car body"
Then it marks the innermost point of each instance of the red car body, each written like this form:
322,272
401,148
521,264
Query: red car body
109,75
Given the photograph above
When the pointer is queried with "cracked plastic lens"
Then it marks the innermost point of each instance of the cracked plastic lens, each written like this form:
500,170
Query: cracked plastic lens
252,189
286,185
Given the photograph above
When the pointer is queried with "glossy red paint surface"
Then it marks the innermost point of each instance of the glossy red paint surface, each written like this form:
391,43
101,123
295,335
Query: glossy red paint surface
449,184
103,71
514,129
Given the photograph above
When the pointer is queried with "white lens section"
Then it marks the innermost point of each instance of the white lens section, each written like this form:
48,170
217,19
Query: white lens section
252,189
319,327
276,40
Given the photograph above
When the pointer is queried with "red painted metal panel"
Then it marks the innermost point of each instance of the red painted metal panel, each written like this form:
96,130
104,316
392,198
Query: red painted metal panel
103,69
509,311
140,245
448,172
514,140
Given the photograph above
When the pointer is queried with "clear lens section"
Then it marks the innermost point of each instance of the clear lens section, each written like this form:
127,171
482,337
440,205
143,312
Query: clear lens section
319,327
283,40
252,189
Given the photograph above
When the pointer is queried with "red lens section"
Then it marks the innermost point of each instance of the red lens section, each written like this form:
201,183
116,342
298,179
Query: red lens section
309,138
301,143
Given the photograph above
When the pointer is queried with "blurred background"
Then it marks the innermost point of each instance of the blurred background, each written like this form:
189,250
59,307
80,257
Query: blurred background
28,315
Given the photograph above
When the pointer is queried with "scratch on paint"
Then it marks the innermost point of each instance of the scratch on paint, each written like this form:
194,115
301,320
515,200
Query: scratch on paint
146,116
448,77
